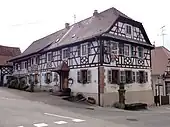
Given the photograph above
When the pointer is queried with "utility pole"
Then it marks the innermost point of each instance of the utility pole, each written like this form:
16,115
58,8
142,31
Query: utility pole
162,33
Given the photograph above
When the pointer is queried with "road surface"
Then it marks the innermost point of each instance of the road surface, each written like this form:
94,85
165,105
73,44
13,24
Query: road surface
23,109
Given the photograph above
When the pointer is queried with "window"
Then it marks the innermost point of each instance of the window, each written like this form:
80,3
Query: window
126,50
78,50
113,76
49,56
48,78
114,47
128,75
65,53
133,51
167,87
84,49
142,77
25,65
32,61
128,29
140,52
121,49
122,77
84,76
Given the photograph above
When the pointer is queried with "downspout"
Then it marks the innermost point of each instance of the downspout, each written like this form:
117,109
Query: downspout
100,63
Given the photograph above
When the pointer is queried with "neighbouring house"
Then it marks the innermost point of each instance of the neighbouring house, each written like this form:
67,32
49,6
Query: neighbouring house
160,76
6,53
93,57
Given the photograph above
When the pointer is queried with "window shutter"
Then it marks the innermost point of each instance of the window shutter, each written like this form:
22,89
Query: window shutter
109,76
88,76
89,47
51,76
122,77
78,50
78,77
138,77
133,76
145,77
45,77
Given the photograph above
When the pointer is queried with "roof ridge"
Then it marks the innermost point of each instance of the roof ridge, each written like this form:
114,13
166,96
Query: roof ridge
9,46
166,52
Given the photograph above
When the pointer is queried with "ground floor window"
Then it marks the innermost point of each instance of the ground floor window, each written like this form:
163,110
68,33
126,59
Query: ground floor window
84,76
126,76
142,76
48,77
113,76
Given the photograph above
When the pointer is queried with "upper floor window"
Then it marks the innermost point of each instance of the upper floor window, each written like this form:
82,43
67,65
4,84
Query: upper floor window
65,53
25,65
121,49
49,56
133,51
126,50
86,48
128,29
140,52
114,48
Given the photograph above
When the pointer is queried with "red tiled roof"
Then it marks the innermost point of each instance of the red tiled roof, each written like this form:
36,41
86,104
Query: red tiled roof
7,53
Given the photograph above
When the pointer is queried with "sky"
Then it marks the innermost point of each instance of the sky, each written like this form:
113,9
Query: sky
24,21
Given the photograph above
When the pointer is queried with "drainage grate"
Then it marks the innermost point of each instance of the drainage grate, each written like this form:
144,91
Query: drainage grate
131,119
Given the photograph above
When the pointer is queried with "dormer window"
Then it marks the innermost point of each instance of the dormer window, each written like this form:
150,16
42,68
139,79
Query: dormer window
128,29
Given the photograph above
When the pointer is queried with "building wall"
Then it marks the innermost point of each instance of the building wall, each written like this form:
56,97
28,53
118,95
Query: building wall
91,87
135,92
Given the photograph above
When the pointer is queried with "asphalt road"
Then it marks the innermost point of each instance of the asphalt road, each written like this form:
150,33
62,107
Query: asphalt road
17,111
22,109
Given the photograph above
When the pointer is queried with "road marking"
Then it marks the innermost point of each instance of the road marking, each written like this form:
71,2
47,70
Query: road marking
78,120
20,126
65,117
41,125
60,122
5,98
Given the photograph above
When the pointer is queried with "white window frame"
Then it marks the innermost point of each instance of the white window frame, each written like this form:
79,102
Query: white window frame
86,46
64,56
127,25
128,50
142,52
48,57
113,49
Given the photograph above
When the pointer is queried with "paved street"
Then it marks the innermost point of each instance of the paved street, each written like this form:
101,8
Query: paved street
23,109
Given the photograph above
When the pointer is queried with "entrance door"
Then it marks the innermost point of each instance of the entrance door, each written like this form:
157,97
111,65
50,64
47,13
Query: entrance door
64,80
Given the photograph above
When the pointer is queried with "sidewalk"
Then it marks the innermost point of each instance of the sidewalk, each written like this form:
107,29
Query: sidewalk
47,98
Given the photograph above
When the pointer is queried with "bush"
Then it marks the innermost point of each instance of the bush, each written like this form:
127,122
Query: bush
136,106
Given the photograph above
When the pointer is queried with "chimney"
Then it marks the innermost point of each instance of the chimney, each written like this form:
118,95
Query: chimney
67,25
95,13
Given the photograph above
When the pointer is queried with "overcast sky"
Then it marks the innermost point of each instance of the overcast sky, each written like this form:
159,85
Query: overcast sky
24,21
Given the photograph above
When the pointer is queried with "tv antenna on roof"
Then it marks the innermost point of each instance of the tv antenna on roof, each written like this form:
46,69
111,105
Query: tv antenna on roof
162,33
74,18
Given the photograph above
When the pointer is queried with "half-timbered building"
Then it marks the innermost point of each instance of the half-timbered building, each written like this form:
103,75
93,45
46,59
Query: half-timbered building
6,53
93,57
